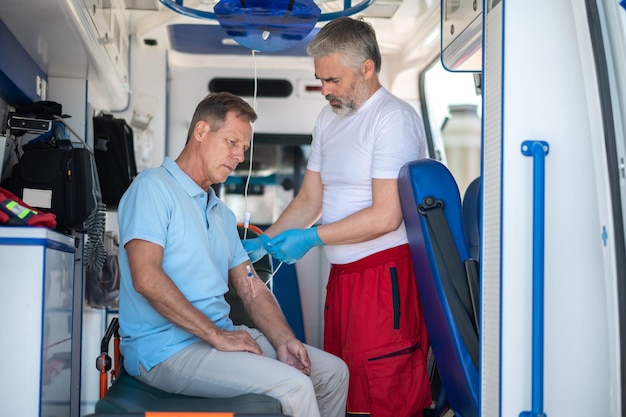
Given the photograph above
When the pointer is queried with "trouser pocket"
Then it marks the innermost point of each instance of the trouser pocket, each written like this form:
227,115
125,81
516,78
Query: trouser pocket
398,383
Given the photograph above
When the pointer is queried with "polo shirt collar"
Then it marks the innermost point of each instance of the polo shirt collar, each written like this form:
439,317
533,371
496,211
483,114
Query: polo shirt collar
185,181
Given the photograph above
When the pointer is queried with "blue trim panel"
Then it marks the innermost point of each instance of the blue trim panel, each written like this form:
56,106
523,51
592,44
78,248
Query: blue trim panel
18,71
50,244
503,78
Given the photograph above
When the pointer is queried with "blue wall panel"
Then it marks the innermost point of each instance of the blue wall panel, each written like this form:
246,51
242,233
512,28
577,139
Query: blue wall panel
18,71
287,292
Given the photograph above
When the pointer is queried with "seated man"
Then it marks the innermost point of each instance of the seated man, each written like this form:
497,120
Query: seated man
179,250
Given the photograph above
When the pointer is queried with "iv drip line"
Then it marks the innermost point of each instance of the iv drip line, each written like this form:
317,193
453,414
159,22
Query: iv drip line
250,276
246,223
270,280
245,191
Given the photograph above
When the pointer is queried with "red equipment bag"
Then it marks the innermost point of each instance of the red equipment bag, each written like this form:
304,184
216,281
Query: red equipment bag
15,212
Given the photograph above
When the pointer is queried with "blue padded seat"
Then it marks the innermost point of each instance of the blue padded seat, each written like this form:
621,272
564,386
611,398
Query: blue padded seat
441,262
471,217
127,394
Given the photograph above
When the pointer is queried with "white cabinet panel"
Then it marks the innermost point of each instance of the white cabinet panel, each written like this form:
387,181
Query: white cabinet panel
36,316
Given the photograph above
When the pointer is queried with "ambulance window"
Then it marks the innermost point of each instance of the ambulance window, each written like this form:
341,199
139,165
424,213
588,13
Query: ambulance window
451,105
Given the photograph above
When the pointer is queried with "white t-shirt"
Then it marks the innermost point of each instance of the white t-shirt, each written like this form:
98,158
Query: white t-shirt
348,151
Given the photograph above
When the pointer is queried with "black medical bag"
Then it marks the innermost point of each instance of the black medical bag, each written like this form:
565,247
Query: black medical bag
56,177
115,156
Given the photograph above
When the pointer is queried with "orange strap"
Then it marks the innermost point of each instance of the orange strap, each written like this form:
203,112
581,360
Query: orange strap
104,378
116,356
252,227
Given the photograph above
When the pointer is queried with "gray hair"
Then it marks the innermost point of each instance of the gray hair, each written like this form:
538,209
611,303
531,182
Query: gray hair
353,38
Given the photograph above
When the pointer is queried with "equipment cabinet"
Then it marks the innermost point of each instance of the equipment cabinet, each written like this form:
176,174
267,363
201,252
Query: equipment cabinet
37,320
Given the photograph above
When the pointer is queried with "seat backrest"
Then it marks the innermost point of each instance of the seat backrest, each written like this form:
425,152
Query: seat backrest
431,206
471,217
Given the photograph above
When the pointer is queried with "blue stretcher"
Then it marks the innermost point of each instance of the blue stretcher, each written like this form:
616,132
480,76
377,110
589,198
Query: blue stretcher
447,278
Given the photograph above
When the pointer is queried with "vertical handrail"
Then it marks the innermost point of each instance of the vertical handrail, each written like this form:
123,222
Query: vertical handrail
538,150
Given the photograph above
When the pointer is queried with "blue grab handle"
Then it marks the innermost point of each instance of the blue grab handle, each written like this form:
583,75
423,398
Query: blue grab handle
538,150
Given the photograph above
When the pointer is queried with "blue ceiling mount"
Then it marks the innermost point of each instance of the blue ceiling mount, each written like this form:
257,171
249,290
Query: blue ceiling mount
267,25
348,10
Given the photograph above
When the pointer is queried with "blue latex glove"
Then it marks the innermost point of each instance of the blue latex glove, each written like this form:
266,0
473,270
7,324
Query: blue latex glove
256,248
291,245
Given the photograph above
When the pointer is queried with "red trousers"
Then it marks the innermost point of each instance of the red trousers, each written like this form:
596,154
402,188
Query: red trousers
373,321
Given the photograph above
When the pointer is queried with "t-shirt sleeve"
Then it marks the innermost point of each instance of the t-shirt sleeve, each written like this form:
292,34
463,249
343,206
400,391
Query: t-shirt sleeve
400,139
315,157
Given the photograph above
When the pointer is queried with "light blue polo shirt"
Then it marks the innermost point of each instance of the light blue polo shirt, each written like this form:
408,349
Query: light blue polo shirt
200,243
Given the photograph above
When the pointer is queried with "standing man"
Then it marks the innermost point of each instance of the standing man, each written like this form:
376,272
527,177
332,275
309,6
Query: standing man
179,250
372,318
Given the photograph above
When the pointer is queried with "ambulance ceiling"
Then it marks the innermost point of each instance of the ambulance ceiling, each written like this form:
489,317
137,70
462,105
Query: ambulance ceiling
234,27
70,36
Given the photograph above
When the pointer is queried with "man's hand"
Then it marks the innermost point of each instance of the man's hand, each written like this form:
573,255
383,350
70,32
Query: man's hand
235,341
294,353
256,248
291,245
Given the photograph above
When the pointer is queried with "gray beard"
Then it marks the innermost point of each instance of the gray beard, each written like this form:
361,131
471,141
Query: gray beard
359,96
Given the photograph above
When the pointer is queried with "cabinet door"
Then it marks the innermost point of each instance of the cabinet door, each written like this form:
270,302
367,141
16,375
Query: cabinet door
57,333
